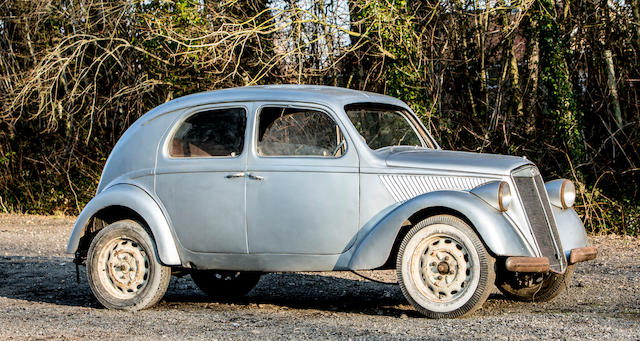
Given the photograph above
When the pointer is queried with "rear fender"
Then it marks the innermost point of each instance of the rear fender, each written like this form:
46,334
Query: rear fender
139,201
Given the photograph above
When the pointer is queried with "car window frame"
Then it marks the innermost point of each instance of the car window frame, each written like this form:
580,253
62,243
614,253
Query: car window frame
194,111
306,106
411,125
408,115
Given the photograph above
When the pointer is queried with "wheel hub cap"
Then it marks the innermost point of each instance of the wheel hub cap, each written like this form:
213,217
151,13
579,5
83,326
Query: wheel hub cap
445,267
126,267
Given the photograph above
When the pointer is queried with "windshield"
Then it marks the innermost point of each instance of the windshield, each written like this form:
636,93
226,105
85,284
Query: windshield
383,126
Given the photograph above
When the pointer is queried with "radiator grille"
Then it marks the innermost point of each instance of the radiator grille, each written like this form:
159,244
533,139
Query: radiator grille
538,211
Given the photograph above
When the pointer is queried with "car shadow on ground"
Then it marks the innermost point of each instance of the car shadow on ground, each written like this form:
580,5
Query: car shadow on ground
309,292
53,280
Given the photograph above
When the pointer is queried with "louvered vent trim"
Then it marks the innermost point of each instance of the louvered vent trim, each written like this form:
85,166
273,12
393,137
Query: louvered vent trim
405,187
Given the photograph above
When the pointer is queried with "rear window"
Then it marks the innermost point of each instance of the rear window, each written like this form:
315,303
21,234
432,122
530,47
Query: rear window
210,133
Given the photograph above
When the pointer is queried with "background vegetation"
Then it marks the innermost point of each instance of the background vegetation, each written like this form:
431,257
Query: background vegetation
555,80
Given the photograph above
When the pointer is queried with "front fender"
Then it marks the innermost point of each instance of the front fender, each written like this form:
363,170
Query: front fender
570,228
496,230
139,201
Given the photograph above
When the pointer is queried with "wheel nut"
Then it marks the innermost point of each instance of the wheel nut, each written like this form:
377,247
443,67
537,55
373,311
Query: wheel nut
443,268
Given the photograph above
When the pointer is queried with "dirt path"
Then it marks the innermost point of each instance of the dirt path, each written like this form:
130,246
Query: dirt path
39,298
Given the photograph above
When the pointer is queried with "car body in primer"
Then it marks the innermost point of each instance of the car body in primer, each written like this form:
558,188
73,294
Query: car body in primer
339,204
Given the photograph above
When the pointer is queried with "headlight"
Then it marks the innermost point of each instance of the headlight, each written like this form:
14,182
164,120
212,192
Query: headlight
562,192
504,196
495,193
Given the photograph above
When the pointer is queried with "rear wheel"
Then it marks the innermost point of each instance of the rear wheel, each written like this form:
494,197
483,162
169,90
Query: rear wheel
123,269
220,284
533,287
444,270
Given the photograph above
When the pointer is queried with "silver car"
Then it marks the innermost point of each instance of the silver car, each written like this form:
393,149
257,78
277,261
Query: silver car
229,184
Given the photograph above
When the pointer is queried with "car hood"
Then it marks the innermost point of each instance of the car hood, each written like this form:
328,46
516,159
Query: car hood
458,161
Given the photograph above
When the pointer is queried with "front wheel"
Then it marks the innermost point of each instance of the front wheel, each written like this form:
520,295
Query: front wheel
444,270
123,269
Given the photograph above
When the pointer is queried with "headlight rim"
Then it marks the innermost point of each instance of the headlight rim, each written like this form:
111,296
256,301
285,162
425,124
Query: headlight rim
563,193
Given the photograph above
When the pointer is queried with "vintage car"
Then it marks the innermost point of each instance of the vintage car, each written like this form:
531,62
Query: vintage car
229,184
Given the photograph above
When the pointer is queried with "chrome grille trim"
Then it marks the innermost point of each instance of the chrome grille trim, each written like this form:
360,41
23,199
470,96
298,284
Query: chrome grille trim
535,202
405,187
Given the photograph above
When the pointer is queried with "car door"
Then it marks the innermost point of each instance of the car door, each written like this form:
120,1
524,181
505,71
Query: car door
302,182
200,179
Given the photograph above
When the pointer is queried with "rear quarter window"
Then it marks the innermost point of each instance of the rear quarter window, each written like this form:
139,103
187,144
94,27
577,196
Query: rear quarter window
210,133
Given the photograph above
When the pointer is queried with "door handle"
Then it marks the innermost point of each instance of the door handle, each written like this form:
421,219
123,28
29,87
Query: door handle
255,177
235,175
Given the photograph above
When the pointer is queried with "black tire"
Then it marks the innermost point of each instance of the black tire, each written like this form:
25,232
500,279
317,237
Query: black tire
123,268
444,270
533,287
220,284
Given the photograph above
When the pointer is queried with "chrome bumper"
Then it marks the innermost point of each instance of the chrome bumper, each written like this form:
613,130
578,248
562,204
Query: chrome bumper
541,264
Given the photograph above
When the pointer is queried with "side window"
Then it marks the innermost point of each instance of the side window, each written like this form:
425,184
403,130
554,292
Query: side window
218,132
298,132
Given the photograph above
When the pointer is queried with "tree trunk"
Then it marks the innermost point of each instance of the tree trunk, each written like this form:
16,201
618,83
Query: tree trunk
517,106
635,4
481,29
465,58
613,89
531,88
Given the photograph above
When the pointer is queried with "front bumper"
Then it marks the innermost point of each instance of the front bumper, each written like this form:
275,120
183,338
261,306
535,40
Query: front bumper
582,254
541,264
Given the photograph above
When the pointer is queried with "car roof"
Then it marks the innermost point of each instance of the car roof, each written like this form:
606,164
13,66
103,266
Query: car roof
328,95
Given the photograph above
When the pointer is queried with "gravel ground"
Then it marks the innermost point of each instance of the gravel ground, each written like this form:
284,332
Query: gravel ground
40,299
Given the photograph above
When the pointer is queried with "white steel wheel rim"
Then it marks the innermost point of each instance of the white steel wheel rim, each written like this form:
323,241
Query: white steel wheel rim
123,267
442,266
